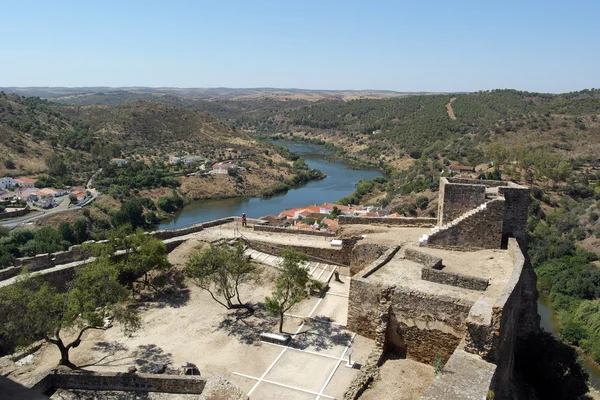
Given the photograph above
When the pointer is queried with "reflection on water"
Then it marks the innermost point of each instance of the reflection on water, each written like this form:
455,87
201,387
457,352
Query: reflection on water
340,182
550,323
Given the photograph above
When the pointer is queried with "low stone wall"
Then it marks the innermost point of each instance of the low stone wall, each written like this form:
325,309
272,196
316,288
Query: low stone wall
454,279
14,214
266,228
332,255
464,377
91,380
76,253
167,234
427,260
395,221
380,262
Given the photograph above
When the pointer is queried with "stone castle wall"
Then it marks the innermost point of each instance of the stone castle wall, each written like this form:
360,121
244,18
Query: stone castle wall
422,326
516,211
394,221
482,230
458,198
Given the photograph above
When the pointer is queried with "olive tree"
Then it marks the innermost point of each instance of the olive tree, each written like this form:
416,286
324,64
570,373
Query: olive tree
39,310
293,284
220,270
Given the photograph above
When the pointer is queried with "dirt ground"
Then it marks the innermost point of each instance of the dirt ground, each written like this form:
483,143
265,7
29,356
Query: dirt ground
190,326
400,379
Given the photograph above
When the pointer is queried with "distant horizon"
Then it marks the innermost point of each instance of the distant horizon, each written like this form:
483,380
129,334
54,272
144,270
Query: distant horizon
282,89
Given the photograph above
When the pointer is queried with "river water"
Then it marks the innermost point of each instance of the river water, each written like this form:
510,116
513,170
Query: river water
340,182
550,323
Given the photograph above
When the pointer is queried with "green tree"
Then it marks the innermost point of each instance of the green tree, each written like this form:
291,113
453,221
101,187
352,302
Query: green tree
220,270
66,232
293,285
144,253
131,212
95,295
56,165
80,231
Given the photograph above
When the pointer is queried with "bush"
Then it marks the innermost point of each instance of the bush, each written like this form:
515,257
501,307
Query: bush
170,203
422,202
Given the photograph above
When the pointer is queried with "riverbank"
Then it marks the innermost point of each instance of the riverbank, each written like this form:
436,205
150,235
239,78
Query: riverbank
339,182
336,152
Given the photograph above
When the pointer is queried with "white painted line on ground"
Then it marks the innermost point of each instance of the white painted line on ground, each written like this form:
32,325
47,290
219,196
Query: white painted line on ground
307,351
322,272
338,294
314,308
316,266
259,380
282,351
266,256
337,365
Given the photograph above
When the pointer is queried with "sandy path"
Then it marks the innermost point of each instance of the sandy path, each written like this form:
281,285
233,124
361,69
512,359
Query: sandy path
450,110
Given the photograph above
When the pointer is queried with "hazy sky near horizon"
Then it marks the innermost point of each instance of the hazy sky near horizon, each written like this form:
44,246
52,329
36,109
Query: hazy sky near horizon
545,46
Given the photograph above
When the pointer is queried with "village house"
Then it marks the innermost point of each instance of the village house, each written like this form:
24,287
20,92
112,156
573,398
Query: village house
25,182
184,159
120,162
223,167
7,183
461,168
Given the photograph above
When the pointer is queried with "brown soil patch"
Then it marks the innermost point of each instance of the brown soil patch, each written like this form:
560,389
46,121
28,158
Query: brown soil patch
450,110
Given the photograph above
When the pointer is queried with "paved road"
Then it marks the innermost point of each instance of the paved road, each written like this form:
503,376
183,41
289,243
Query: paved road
62,207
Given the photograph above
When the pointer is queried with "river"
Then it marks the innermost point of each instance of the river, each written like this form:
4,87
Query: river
340,182
550,323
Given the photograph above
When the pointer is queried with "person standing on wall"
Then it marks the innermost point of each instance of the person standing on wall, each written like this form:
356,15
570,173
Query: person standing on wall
244,219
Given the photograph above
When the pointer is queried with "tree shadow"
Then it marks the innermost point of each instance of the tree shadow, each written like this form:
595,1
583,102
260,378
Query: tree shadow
111,349
150,358
246,326
321,335
173,298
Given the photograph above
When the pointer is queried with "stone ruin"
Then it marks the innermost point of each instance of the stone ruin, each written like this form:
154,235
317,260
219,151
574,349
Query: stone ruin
460,296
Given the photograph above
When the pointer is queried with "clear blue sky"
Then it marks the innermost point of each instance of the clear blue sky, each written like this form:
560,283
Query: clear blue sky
548,46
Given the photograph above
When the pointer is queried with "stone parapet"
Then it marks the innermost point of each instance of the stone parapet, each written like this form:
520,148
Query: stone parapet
427,260
395,221
119,381
275,229
454,279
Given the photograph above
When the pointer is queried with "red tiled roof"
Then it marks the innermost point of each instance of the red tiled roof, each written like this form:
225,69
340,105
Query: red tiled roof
26,180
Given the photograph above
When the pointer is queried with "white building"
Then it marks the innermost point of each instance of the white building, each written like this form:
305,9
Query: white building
7,183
